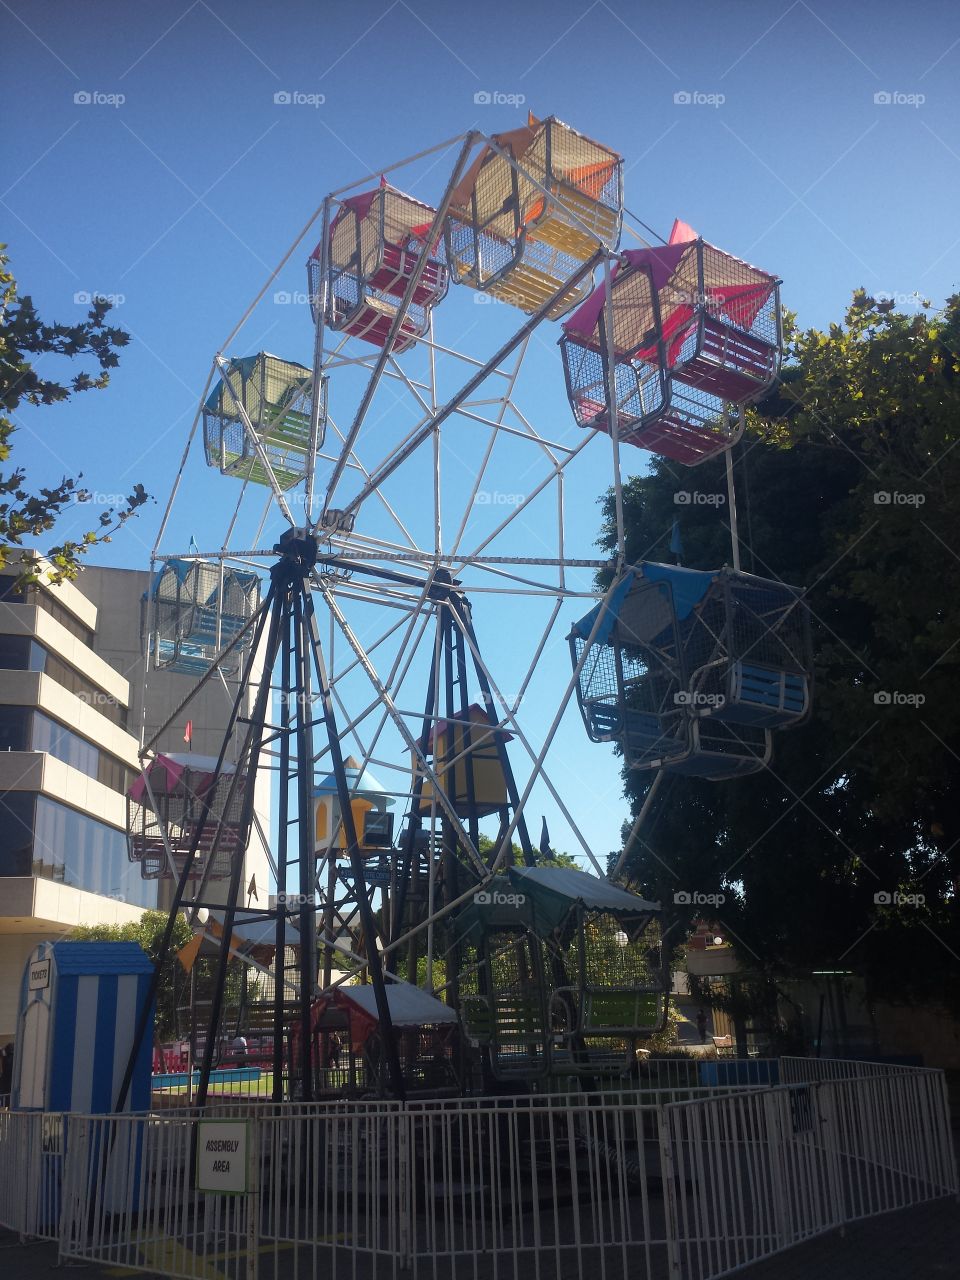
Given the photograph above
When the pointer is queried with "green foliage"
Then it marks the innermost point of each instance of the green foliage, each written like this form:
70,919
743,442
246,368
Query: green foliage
849,486
25,342
148,932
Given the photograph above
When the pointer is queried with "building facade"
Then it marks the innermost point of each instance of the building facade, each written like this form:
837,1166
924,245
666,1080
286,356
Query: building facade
72,712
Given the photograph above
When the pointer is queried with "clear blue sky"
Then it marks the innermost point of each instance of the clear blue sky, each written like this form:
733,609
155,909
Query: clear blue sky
181,199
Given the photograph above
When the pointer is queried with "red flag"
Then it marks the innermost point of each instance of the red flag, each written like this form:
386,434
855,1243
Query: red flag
188,733
682,232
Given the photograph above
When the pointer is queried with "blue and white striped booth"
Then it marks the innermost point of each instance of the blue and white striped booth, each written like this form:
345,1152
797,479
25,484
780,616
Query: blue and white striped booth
79,1006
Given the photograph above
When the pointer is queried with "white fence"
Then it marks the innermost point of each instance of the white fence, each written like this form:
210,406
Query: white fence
687,1184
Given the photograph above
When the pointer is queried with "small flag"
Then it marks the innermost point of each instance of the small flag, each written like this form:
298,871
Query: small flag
188,733
545,851
252,889
682,232
676,545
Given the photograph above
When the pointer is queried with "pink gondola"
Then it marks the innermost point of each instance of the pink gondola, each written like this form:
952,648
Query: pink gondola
696,335
377,240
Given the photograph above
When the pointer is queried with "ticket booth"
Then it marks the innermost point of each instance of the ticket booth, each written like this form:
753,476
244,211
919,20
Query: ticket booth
79,1006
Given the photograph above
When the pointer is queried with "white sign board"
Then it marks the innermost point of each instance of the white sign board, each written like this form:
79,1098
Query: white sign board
222,1156
39,978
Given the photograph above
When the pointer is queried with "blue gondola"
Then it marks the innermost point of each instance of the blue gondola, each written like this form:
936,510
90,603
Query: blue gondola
690,670
192,613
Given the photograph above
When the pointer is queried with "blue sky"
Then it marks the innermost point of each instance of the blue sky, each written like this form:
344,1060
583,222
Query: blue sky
180,184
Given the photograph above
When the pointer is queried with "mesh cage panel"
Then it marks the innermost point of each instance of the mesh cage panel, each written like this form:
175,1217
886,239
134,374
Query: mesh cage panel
630,687
722,317
505,1005
693,425
512,240
722,750
177,818
276,396
750,655
188,612
585,180
375,246
640,389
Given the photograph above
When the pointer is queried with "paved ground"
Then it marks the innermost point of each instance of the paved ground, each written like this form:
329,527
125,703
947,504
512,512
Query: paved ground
915,1244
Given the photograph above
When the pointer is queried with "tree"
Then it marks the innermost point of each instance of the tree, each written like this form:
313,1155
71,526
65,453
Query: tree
849,487
23,338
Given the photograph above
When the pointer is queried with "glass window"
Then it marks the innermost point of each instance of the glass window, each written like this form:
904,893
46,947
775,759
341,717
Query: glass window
16,832
14,728
65,745
86,854
15,653
20,653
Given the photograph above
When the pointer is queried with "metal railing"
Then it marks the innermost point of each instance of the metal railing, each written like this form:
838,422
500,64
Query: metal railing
757,1172
690,1182
31,1172
807,1070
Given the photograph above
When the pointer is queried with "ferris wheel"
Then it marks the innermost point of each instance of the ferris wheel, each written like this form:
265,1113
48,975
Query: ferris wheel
422,502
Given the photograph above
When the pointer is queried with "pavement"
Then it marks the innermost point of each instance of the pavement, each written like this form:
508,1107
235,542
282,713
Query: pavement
921,1243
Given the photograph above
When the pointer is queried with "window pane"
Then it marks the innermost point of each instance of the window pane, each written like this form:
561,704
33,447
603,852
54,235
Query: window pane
14,653
64,745
87,854
16,828
14,728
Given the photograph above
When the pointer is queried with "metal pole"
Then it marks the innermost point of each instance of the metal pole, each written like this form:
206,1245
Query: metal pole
317,429
250,754
387,348
164,948
638,823
732,501
427,428
283,808
308,862
367,921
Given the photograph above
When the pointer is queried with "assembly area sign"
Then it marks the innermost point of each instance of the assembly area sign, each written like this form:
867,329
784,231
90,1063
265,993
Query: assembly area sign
223,1153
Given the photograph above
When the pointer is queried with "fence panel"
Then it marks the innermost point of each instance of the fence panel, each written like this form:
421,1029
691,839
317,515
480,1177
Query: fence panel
684,1182
32,1145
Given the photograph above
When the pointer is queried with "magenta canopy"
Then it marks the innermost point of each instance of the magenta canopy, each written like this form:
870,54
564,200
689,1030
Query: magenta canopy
176,775
687,276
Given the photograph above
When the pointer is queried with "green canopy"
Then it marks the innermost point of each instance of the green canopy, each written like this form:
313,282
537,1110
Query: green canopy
544,898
